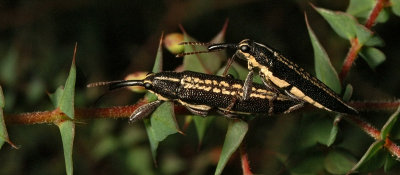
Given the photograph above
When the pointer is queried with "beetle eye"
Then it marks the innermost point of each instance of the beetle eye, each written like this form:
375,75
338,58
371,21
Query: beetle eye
148,85
230,76
245,48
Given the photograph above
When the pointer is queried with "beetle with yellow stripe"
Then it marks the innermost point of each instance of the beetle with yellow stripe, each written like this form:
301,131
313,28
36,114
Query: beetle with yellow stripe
282,75
201,93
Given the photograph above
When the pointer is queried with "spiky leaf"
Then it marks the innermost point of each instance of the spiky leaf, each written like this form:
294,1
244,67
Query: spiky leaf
67,130
236,131
160,125
3,130
323,66
66,102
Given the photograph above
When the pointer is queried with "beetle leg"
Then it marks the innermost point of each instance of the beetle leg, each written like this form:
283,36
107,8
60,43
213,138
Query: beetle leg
229,115
228,109
295,107
271,104
248,84
144,111
274,97
197,111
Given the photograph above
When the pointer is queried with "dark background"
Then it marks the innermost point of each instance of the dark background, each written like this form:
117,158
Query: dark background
120,37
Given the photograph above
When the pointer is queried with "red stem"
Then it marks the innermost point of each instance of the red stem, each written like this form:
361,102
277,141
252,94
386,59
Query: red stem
350,58
245,161
375,12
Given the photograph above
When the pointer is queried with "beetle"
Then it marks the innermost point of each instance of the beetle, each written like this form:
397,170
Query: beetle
201,93
281,75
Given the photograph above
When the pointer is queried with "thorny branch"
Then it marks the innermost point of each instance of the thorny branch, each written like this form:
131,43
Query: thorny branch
126,111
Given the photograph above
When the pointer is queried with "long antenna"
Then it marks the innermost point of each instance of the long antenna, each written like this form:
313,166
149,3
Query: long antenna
195,43
103,83
117,84
196,52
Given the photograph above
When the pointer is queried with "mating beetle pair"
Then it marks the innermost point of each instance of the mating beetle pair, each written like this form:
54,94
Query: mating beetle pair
287,86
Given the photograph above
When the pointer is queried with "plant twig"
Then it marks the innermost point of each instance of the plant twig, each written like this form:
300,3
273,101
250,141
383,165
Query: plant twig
376,134
350,58
355,46
375,105
56,115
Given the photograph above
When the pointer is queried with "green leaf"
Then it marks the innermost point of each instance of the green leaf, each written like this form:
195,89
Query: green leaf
67,130
372,56
66,102
372,159
202,124
339,162
334,130
345,25
375,40
205,63
158,63
389,124
348,92
390,162
237,129
323,66
160,125
55,97
314,129
360,8
363,8
396,7
3,130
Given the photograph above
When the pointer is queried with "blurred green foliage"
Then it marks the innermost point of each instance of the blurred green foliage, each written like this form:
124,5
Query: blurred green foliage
119,37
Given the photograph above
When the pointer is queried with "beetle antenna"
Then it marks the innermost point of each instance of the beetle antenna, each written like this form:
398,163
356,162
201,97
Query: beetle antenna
191,43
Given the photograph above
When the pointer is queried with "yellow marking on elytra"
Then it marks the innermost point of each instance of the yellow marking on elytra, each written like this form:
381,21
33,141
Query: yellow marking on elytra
208,88
198,80
226,92
316,104
215,82
261,96
237,86
277,81
262,91
298,93
224,83
208,81
216,90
